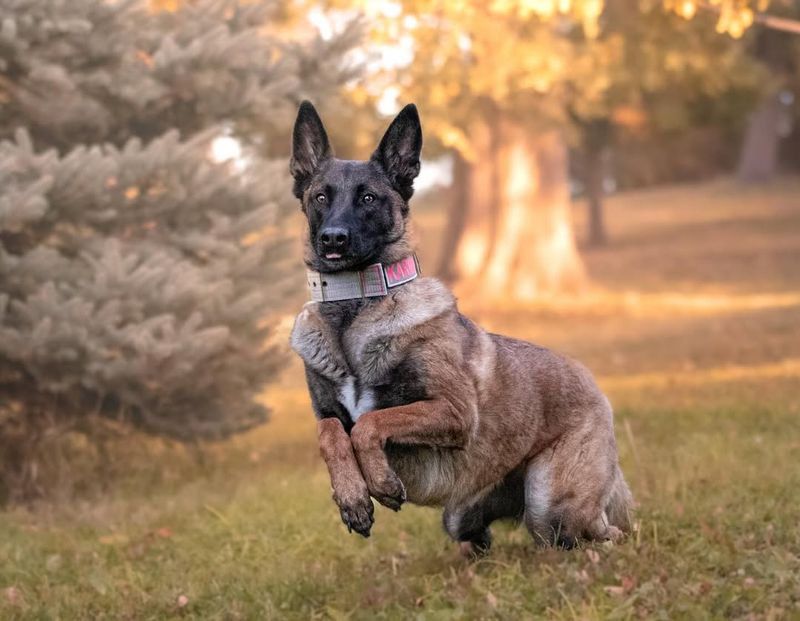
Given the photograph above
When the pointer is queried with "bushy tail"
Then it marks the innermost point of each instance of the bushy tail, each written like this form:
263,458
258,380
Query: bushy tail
620,504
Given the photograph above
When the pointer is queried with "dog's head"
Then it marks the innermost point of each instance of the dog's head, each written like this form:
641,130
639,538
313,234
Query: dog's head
357,210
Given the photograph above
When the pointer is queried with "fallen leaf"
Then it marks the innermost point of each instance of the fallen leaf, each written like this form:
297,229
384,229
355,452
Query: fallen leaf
628,583
164,533
145,58
13,595
491,599
113,538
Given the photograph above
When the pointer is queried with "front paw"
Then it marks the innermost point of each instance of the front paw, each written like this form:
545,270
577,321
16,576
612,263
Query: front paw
387,489
357,512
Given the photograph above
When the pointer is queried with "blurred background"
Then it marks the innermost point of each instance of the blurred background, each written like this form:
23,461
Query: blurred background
617,179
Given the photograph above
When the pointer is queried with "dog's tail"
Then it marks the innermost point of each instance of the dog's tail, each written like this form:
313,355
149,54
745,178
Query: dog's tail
620,504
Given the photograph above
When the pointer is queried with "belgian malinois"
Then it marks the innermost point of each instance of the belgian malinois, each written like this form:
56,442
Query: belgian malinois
413,400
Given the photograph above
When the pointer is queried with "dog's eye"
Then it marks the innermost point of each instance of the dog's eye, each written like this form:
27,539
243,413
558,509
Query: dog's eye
368,198
321,198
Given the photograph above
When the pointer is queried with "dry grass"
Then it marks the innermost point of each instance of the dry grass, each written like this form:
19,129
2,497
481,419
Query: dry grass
693,329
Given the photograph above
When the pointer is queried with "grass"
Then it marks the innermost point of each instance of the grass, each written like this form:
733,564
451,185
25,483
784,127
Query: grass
694,331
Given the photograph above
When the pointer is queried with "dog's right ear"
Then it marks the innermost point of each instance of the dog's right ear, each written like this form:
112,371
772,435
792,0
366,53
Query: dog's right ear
399,150
310,147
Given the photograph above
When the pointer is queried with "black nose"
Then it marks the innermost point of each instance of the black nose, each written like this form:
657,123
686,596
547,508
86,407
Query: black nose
334,239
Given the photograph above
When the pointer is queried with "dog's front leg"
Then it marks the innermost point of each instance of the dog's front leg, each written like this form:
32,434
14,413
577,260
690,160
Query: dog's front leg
349,488
432,423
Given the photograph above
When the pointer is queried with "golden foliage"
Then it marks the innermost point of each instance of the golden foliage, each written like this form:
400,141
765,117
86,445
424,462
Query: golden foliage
474,59
168,6
544,63
586,11
735,16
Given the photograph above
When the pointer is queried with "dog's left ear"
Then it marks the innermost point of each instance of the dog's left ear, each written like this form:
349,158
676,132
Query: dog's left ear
398,152
310,147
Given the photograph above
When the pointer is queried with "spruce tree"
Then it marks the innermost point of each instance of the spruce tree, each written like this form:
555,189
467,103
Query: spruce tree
139,278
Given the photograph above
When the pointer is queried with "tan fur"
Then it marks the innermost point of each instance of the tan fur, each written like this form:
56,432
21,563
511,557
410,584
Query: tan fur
349,489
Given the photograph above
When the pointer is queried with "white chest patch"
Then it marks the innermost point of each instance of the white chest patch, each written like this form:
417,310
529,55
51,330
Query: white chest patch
356,403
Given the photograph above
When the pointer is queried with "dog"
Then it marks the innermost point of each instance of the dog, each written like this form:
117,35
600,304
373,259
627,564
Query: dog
414,401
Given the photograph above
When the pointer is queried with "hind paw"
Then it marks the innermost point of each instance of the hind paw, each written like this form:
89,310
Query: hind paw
604,532
477,546
614,534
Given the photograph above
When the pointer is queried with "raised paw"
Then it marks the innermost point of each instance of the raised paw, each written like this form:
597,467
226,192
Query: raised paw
388,490
357,513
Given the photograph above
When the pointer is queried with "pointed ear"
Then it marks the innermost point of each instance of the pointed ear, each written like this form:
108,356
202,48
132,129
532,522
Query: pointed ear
310,147
398,152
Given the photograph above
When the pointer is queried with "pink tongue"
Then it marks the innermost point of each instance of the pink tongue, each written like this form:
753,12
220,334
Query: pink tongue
333,255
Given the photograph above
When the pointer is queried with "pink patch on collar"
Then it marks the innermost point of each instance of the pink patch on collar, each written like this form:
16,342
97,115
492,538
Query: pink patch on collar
401,272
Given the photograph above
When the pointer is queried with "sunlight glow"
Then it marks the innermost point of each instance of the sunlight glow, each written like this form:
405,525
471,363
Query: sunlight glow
225,148
664,304
789,367
471,254
388,103
520,187
320,20
434,173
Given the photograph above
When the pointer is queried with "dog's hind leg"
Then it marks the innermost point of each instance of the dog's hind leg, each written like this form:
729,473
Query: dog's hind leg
469,527
570,486
469,524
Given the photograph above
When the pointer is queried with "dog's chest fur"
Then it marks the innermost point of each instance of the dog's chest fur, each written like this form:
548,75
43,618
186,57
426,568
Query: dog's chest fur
356,400
364,347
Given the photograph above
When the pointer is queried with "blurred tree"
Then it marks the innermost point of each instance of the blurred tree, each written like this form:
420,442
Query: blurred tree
774,45
139,274
758,159
666,77
507,83
734,17
490,78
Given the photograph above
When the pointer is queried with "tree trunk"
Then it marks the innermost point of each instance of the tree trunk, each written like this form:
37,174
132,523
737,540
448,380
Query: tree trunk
475,198
596,138
758,160
595,193
521,244
463,173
